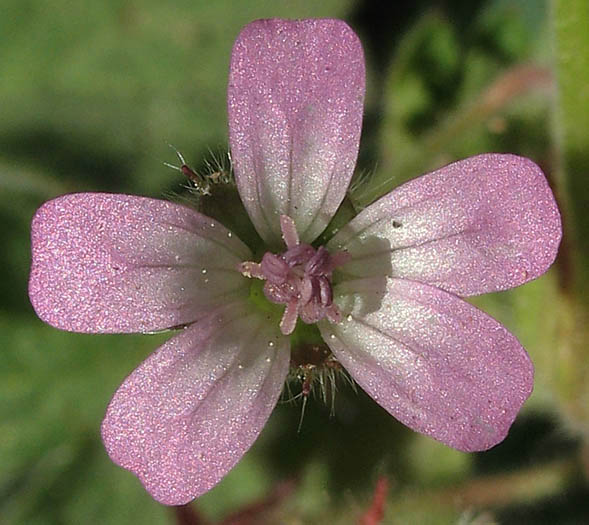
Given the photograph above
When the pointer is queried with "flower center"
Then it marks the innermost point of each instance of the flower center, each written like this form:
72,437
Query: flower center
299,278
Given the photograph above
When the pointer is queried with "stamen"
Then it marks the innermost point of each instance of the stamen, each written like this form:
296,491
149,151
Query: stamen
299,278
333,314
325,290
306,289
275,268
299,254
289,318
289,231
318,263
251,270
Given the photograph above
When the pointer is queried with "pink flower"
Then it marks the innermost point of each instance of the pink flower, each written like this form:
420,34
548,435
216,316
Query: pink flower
383,292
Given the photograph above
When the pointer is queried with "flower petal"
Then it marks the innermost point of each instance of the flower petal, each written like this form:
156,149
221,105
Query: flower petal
483,224
117,263
295,99
186,415
436,363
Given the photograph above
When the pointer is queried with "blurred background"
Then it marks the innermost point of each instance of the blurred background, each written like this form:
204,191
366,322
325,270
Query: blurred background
91,94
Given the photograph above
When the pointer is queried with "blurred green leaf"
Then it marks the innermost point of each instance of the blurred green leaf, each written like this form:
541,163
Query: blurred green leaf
54,388
109,84
572,123
572,137
448,96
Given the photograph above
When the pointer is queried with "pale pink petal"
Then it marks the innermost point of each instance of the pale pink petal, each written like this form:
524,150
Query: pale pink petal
187,415
436,363
117,263
295,99
483,224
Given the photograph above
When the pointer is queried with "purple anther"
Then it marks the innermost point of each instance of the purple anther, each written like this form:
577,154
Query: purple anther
274,269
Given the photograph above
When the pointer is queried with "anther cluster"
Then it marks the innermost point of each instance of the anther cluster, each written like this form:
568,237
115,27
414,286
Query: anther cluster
300,278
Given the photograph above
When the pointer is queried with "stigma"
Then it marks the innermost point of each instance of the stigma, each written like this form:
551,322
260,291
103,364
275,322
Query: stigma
299,278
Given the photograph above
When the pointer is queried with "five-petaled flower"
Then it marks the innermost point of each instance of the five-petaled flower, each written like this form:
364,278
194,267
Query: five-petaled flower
383,292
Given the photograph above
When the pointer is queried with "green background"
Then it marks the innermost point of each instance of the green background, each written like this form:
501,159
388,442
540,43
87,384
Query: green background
91,93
